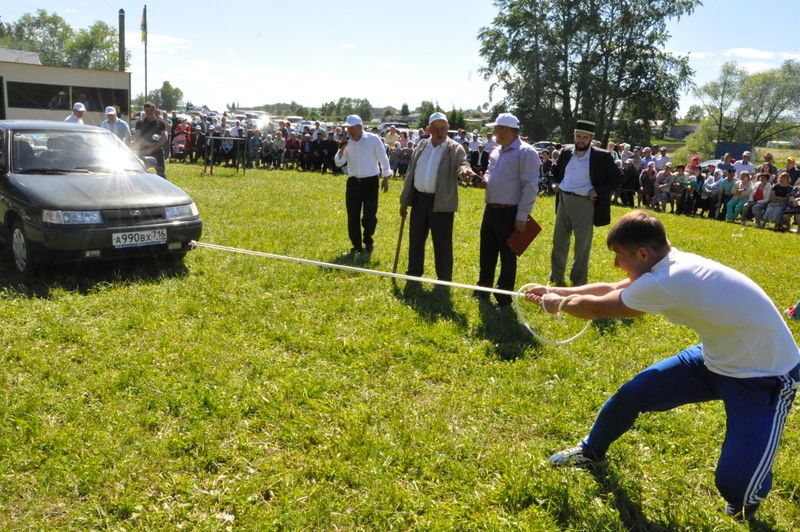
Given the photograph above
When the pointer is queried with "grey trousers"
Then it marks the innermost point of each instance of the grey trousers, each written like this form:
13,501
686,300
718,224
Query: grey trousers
575,215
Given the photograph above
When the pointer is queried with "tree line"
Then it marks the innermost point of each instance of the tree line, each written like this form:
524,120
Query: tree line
58,44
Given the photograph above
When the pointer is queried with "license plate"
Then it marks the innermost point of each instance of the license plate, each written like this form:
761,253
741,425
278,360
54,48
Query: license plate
139,238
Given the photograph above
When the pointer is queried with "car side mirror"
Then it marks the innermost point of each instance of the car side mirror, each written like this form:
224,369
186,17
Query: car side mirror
149,162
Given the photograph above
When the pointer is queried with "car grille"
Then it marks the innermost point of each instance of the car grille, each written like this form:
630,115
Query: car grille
133,216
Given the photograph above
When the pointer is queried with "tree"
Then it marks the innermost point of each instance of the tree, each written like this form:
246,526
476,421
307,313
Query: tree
167,98
696,113
769,104
753,108
404,110
44,33
364,110
456,118
584,59
719,97
425,110
96,47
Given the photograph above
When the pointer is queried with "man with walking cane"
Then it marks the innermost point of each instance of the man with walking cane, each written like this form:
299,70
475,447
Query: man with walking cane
431,189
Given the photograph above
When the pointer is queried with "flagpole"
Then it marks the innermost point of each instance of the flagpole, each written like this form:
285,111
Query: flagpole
144,38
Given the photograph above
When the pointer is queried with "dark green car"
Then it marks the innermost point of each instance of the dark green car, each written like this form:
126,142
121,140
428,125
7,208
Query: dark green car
71,192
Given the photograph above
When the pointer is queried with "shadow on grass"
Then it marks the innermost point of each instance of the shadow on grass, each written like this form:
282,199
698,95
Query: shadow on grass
500,326
630,511
431,305
83,278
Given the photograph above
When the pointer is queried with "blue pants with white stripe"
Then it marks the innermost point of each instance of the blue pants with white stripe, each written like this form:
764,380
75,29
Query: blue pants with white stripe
755,408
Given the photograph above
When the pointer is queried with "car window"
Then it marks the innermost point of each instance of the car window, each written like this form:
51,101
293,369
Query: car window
78,151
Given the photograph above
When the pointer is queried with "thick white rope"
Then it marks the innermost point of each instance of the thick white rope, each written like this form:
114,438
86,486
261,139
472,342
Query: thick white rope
516,295
521,294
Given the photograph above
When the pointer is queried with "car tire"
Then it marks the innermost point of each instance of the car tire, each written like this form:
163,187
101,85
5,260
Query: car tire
21,252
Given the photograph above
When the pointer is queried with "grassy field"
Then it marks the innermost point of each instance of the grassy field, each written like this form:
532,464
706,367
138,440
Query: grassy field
243,392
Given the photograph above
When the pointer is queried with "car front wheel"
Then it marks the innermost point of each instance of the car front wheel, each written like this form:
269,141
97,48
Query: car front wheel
21,249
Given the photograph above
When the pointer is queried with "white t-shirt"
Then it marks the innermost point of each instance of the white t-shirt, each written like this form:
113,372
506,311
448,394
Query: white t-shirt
742,332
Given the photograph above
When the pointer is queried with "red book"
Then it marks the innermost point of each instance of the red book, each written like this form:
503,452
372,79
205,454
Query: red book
519,241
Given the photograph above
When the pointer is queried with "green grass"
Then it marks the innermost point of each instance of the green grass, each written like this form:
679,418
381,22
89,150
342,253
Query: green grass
258,394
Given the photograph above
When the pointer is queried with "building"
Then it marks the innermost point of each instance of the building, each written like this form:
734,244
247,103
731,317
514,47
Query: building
30,90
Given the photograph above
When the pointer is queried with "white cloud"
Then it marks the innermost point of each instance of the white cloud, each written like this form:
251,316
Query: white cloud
749,53
348,45
753,67
158,42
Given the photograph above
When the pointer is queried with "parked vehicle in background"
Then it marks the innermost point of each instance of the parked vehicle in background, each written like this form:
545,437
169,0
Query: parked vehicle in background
544,145
70,192
383,126
704,165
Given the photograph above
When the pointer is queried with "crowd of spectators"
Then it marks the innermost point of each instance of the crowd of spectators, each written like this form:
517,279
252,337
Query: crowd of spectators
733,190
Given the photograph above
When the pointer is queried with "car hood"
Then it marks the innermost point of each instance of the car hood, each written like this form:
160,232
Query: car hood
97,191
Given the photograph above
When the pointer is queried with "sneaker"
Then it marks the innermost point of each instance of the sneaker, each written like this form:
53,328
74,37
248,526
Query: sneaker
368,248
573,457
741,512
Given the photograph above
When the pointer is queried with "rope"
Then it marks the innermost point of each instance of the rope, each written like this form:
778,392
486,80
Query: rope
517,295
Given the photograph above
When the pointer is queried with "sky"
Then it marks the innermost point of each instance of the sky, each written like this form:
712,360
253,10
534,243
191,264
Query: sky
316,51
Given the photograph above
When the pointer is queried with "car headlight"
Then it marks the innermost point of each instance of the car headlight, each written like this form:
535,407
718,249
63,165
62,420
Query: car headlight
72,217
181,211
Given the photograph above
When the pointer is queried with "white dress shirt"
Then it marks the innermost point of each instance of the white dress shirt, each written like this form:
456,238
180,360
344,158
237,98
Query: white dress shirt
428,167
576,175
363,156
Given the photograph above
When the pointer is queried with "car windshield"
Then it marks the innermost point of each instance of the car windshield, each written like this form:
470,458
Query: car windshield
51,151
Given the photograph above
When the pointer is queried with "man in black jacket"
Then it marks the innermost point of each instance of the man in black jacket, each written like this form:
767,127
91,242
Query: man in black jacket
584,179
479,160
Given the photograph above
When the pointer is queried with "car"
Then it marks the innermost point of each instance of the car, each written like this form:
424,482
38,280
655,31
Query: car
544,145
384,126
705,164
72,192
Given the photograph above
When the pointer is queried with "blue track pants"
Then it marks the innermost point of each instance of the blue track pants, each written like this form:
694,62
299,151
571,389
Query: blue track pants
756,410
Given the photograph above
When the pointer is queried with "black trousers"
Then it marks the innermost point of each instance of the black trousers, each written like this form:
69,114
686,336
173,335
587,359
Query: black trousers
361,195
496,227
440,226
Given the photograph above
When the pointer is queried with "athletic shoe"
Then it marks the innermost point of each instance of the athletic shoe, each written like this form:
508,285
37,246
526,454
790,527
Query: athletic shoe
573,457
739,512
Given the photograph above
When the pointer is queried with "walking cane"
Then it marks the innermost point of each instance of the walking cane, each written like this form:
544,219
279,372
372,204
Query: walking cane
399,242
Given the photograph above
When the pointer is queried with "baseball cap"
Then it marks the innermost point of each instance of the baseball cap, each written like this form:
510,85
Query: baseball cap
505,119
353,120
436,116
110,110
78,107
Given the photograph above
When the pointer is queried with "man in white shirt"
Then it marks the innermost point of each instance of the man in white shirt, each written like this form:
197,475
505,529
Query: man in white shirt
365,157
744,165
78,110
116,126
748,358
431,189
584,179
663,159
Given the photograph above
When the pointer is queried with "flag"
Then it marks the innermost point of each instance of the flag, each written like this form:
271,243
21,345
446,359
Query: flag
144,25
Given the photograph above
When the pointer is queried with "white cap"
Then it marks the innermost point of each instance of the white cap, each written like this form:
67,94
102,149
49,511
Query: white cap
353,120
507,120
78,107
110,110
745,154
436,116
